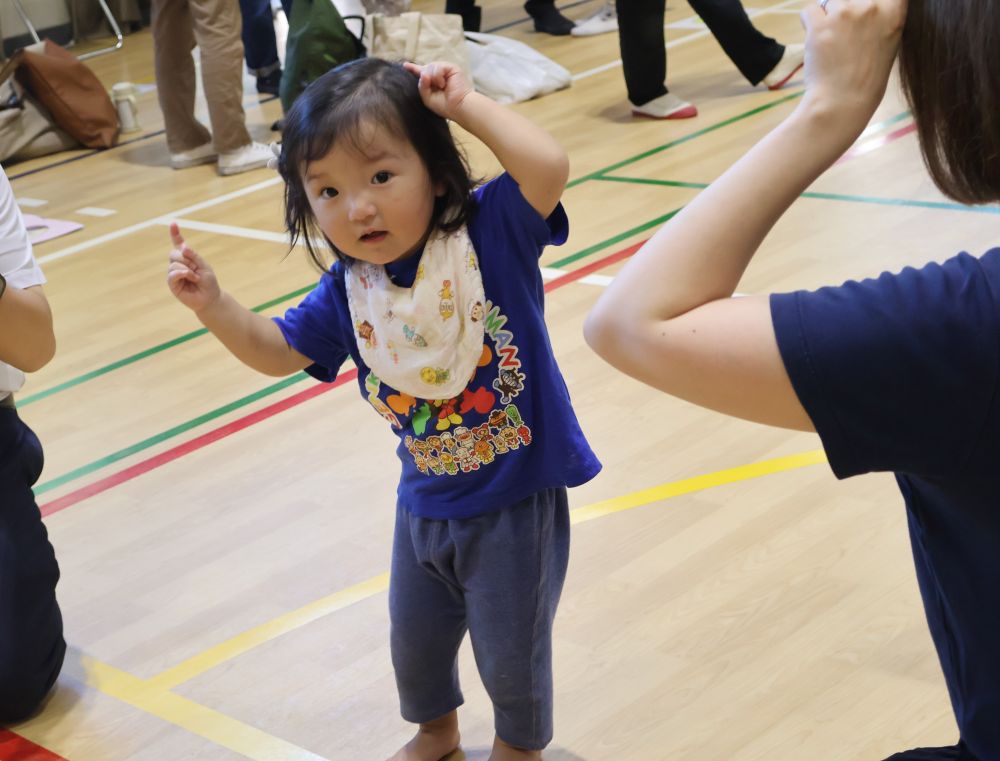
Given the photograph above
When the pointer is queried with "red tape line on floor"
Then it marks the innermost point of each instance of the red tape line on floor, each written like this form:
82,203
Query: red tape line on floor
140,468
13,747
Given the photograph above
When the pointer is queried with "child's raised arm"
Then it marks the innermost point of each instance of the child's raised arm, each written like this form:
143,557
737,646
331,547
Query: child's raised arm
668,318
530,155
252,338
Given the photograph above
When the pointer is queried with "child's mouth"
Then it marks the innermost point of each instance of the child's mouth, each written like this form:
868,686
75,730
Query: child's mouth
375,236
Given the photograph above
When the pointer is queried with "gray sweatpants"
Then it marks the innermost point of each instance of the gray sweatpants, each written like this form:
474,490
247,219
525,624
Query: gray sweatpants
497,576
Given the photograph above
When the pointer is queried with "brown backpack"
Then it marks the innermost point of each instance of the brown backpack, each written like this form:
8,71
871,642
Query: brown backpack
70,91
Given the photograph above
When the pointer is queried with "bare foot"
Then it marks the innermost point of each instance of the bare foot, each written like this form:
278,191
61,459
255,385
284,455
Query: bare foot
504,752
433,742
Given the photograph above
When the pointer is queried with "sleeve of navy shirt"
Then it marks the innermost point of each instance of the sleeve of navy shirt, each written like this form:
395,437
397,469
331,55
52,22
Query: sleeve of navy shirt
897,373
315,327
514,220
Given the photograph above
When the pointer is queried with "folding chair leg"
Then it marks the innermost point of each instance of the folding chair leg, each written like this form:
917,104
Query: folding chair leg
107,14
24,17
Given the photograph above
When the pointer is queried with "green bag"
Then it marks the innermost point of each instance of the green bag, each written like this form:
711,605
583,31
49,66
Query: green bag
318,40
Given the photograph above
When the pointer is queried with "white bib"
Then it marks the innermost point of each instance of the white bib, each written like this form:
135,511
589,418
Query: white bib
426,340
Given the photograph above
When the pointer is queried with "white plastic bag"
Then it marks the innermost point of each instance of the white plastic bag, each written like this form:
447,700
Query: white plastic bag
510,71
350,8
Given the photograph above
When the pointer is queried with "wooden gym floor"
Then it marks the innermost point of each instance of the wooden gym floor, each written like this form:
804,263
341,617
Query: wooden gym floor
224,538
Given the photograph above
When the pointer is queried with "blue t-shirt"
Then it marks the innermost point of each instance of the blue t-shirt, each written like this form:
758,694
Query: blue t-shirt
900,374
512,432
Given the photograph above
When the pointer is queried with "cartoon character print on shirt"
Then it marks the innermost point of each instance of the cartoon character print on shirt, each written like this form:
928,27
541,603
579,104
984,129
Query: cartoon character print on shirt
413,337
447,305
455,445
372,386
465,449
366,333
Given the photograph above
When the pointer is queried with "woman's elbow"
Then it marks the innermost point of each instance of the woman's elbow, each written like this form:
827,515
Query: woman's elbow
604,331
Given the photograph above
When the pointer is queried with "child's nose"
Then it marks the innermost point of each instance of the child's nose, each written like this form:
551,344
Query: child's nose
361,209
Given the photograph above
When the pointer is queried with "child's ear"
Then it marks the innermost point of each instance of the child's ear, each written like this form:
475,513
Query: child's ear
439,189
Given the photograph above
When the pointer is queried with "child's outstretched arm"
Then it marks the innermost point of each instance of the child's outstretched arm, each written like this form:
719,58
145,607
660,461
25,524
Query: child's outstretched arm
252,338
669,318
530,155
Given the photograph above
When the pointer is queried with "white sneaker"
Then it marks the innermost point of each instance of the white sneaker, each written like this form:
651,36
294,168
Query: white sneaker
605,19
790,63
203,154
667,106
250,156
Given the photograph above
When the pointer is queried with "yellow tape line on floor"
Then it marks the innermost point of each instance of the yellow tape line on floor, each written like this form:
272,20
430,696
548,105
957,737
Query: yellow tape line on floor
215,727
154,697
259,635
241,643
697,483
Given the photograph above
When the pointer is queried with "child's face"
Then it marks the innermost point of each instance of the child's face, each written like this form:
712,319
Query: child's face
375,205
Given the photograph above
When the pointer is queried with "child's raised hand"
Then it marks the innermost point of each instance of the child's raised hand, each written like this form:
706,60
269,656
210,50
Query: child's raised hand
443,86
189,277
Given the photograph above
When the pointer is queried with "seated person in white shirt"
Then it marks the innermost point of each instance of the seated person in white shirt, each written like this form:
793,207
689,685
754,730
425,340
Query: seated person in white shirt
31,630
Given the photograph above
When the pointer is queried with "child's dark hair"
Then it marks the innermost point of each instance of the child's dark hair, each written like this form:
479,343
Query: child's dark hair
337,106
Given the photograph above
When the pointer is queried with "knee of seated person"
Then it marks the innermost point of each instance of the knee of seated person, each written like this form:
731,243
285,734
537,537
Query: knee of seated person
23,690
20,697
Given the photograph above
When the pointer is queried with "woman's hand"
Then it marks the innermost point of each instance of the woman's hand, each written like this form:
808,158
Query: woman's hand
189,277
443,86
850,49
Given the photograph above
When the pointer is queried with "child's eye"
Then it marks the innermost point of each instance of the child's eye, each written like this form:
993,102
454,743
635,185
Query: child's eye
381,178
328,193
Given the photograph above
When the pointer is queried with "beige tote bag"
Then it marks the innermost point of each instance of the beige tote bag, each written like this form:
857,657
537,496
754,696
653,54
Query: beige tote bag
417,37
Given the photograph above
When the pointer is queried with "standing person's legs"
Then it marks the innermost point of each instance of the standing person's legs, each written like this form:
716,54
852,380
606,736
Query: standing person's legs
513,564
427,615
754,53
641,40
259,42
173,41
472,14
644,60
217,31
548,18
31,630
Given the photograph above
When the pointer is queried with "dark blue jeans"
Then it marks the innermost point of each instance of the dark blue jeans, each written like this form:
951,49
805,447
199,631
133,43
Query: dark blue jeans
260,48
499,577
31,630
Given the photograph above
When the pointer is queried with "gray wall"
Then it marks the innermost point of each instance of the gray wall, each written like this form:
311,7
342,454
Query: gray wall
43,14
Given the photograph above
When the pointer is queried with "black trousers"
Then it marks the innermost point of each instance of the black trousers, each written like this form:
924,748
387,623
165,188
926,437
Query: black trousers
644,58
951,753
31,629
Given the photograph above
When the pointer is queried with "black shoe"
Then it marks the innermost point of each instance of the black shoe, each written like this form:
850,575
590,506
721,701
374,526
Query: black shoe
472,15
269,83
548,19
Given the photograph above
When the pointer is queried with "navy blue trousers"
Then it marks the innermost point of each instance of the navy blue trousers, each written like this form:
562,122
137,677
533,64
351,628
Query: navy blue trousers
499,577
950,753
260,47
31,630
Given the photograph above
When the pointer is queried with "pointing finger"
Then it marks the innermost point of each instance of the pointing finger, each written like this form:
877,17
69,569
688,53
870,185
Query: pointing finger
175,235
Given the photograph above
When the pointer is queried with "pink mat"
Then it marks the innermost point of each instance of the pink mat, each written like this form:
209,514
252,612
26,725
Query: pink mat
40,230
